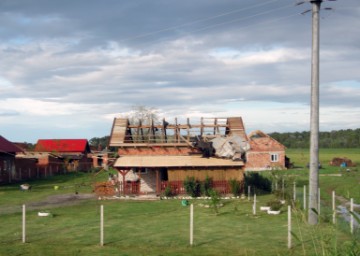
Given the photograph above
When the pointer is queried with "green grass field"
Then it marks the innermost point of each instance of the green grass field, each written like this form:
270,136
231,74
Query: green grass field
162,227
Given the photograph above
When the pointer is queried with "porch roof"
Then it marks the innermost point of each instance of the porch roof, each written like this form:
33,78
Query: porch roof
173,161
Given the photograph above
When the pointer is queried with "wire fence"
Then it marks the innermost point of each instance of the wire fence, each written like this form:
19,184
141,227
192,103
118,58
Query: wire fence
89,226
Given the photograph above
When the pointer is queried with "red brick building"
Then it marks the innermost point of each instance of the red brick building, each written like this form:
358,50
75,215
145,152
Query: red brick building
265,153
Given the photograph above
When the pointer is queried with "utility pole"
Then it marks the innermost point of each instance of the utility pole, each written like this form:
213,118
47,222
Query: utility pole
314,117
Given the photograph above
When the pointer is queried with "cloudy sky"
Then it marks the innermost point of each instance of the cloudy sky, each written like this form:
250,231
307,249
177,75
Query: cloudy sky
67,68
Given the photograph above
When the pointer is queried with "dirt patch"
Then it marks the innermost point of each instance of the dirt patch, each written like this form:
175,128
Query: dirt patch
51,202
61,200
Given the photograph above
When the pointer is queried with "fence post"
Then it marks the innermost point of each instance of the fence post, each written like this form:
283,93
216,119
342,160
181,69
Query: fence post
283,189
254,205
294,196
101,225
289,227
351,216
191,224
333,207
249,192
319,205
304,197
24,223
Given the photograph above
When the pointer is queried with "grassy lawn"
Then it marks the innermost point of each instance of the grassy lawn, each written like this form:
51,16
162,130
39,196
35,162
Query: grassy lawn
162,227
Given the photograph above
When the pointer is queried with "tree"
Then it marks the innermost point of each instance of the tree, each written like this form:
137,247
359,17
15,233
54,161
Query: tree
99,143
143,114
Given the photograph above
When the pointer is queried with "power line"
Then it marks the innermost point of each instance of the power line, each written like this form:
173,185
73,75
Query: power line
233,21
209,18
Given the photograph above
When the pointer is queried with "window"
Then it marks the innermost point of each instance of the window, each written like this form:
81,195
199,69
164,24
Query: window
274,157
143,170
140,170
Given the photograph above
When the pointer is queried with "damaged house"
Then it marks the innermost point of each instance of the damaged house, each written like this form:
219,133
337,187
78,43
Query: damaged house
154,156
265,153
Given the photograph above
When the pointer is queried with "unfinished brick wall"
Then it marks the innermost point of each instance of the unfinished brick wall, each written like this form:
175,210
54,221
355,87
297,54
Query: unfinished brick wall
257,161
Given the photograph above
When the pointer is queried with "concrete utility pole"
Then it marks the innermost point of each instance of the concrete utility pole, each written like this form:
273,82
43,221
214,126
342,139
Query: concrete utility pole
314,116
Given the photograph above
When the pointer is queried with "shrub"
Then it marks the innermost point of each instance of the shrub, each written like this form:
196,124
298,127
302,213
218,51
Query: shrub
275,205
167,191
257,181
215,200
192,186
235,187
206,186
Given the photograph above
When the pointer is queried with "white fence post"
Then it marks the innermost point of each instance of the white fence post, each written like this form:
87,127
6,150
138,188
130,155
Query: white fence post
101,225
304,206
333,207
319,205
191,224
289,227
254,205
24,223
294,196
351,216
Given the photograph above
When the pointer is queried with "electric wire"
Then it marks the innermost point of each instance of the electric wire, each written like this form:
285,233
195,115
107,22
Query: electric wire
228,22
197,21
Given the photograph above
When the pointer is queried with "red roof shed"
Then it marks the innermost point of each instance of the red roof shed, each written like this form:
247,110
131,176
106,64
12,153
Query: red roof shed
63,146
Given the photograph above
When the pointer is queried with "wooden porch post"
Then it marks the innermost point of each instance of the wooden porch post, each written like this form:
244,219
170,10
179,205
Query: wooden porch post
123,173
157,182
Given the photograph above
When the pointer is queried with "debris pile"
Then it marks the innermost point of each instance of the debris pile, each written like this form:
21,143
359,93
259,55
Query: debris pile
104,188
342,161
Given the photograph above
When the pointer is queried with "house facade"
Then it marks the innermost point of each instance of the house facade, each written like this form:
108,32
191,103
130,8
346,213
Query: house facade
265,153
158,155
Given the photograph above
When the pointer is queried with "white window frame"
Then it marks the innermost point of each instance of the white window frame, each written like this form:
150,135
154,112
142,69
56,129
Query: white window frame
274,157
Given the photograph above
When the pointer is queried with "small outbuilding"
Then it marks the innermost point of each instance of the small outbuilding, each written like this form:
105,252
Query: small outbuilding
71,153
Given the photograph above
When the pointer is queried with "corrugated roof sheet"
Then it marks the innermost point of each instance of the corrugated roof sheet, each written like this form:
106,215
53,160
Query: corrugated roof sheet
62,145
7,146
118,131
173,161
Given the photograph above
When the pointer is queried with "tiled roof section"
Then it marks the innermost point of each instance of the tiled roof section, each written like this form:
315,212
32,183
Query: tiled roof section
63,145
259,141
7,146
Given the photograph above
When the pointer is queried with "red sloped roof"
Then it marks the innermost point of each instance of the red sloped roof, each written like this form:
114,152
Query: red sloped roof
7,146
63,145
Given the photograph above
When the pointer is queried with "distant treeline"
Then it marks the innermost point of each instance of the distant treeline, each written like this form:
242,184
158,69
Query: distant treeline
334,139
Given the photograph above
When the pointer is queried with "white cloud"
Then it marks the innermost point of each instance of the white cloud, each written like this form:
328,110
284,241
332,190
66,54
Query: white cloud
73,71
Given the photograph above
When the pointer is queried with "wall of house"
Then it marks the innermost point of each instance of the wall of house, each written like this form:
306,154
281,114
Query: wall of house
6,168
201,174
147,180
260,160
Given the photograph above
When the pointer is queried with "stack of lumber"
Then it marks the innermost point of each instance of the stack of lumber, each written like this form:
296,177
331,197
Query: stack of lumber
106,188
